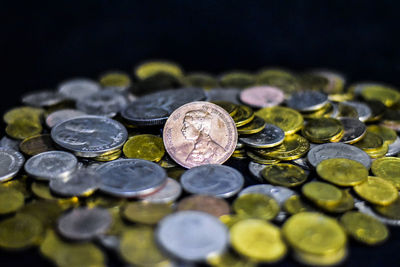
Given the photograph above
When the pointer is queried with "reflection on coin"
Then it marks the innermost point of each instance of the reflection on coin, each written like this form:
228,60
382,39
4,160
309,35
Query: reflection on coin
394,148
270,136
169,193
363,110
62,115
226,94
216,180
9,143
84,223
204,235
255,169
209,204
42,98
11,162
337,150
279,193
78,88
200,133
262,96
131,177
89,136
307,100
103,103
52,164
81,182
354,130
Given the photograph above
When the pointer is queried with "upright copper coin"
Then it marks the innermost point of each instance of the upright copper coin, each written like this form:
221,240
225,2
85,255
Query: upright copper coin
209,204
262,96
200,133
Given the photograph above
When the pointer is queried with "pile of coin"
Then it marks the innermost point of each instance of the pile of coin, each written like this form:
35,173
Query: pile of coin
150,168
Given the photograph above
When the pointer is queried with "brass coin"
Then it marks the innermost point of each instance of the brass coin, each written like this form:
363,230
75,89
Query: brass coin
328,259
47,212
23,113
146,213
37,144
391,211
200,80
311,81
109,156
228,106
256,206
345,204
370,142
243,116
289,120
261,160
278,78
284,174
322,194
336,81
209,204
144,146
237,79
377,191
118,80
255,126
342,172
386,95
387,168
151,68
325,111
258,240
229,259
20,184
11,200
347,111
388,135
42,191
295,204
323,130
23,128
314,233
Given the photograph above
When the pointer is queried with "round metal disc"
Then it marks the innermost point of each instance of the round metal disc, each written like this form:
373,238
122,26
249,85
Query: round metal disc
270,136
11,162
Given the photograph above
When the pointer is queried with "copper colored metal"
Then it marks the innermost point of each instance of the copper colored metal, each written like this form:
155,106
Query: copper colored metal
209,204
262,96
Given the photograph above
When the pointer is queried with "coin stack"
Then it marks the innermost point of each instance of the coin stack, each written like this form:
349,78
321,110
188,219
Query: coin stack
150,168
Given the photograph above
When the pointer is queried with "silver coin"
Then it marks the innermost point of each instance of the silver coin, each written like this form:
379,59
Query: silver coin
307,100
394,148
363,110
131,177
79,183
212,179
270,136
226,94
239,145
255,169
155,108
111,242
192,235
43,98
303,163
62,115
51,164
11,162
9,143
279,193
354,130
78,88
84,223
89,136
335,111
337,150
359,87
364,208
169,193
102,103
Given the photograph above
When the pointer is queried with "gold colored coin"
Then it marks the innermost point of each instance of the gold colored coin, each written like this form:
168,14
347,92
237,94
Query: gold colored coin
230,219
345,204
364,228
377,191
23,128
229,259
243,116
330,259
138,247
23,113
289,120
370,142
342,172
37,144
42,191
294,204
314,233
145,146
293,147
284,174
258,240
387,168
323,130
256,206
109,156
115,80
341,97
322,194
347,111
237,79
175,173
391,211
325,111
200,80
386,95
255,126
380,152
388,135
311,81
20,184
11,200
104,201
20,231
47,212
151,68
279,78
261,160
146,213
228,106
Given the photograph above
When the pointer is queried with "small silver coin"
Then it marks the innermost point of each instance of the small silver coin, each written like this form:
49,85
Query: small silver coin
307,100
131,177
43,98
169,193
62,115
11,162
212,179
303,163
363,110
102,103
9,143
226,94
337,150
111,242
51,164
270,136
84,223
255,169
279,193
89,136
79,183
394,148
364,208
354,130
78,88
192,235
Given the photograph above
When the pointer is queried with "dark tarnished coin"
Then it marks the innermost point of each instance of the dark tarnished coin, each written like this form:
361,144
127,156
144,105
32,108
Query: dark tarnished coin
102,103
154,109
37,144
253,127
354,130
62,115
84,223
82,182
243,116
210,179
270,136
209,204
78,88
11,162
89,136
307,100
284,174
131,177
42,98
226,94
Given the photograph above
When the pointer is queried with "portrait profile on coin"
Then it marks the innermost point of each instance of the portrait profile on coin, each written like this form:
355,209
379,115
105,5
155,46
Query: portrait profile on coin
200,133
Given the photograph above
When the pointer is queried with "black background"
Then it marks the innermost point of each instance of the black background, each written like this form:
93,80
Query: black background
43,43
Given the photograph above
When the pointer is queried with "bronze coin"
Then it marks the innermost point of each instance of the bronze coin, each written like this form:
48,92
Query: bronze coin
262,96
37,144
209,204
200,133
